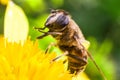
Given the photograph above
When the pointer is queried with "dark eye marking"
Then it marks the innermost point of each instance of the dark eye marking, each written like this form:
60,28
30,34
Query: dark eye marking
62,20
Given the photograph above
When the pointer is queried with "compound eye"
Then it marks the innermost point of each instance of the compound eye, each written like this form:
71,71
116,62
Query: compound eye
62,20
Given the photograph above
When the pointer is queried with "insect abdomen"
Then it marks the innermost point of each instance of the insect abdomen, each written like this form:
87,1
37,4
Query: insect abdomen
76,66
77,59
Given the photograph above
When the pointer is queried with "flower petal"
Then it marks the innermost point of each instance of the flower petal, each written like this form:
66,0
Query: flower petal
15,24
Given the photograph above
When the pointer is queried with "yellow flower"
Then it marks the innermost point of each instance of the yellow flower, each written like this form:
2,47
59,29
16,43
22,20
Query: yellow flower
4,2
27,62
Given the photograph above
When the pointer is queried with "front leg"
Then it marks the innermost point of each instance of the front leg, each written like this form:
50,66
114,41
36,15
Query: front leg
49,33
42,36
39,28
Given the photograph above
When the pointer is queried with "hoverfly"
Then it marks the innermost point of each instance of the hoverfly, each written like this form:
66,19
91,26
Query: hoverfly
69,39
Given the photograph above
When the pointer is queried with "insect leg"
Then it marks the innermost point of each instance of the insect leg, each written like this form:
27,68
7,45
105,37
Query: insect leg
64,54
49,46
101,72
49,33
40,37
39,28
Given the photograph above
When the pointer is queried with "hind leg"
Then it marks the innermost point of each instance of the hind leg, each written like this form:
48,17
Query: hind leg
64,54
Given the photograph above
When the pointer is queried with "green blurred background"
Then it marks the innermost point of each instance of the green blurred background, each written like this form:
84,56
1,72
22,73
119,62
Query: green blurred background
99,21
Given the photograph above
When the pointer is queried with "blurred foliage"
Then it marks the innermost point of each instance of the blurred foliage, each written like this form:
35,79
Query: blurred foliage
97,18
101,53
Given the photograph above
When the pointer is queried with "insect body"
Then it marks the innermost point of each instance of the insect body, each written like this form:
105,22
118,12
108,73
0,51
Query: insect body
69,39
